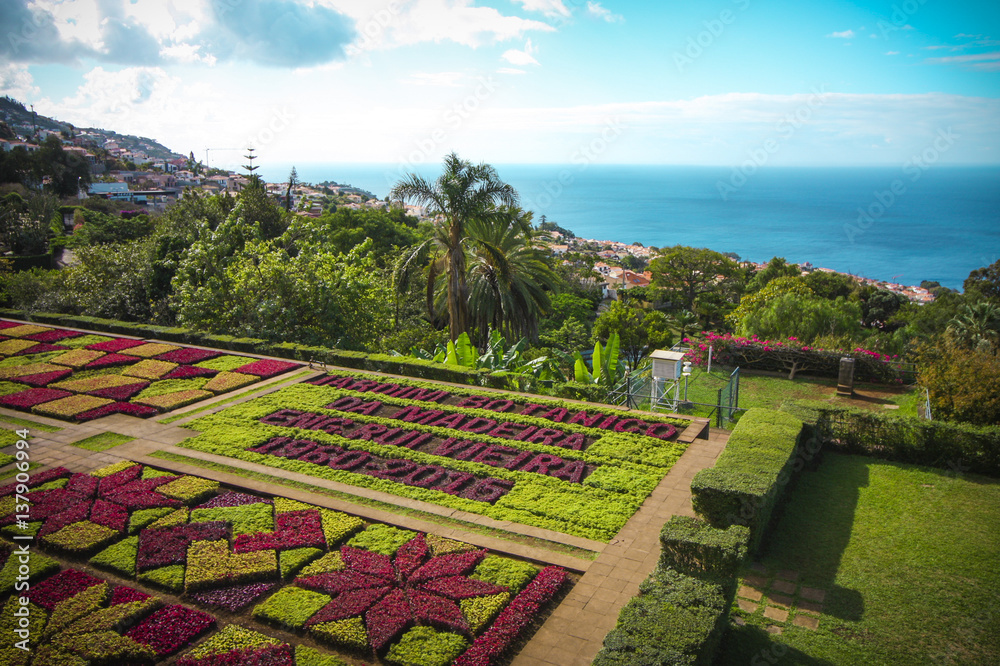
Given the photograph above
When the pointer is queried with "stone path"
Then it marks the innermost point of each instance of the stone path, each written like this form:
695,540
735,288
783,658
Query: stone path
572,635
781,597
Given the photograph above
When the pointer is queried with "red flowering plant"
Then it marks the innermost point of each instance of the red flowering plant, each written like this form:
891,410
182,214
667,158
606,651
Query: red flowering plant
499,638
790,355
394,593
170,629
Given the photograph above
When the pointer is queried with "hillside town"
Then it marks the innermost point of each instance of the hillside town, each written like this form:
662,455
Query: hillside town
614,257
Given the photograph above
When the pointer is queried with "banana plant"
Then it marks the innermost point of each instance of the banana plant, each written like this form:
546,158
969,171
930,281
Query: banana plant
496,357
607,368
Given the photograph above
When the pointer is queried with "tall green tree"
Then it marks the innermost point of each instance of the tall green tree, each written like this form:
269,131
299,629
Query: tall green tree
293,180
804,317
984,283
977,326
464,192
639,331
775,268
686,273
509,281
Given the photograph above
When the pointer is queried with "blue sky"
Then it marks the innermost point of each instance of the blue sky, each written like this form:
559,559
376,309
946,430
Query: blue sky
521,81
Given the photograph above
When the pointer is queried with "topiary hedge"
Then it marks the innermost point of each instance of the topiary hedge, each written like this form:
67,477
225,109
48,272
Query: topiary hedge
955,446
695,548
676,619
749,477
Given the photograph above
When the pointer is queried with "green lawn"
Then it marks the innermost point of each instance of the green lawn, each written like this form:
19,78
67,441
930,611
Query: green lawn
909,558
103,441
770,392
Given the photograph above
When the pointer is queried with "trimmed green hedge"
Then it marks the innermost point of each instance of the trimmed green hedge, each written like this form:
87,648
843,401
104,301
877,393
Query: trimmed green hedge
676,619
695,548
955,446
748,479
396,365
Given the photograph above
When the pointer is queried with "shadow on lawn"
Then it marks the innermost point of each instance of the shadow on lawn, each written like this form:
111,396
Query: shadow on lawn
811,530
752,645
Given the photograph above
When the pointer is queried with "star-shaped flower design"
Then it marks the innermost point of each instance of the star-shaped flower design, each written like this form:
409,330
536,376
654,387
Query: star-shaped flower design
393,593
105,501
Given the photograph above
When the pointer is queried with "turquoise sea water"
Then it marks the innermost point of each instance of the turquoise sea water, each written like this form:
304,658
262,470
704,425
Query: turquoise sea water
905,224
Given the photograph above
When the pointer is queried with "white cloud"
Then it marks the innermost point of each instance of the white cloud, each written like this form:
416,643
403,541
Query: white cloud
846,34
279,33
511,71
439,79
16,81
521,58
989,62
550,8
892,52
457,21
113,99
596,10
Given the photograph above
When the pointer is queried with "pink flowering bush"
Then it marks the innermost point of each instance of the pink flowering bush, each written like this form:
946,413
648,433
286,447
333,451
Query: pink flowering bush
755,353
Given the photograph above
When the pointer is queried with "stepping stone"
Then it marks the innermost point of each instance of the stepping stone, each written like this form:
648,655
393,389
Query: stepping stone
809,607
749,593
738,621
779,600
771,629
776,614
812,594
747,606
789,575
756,581
783,586
758,567
810,623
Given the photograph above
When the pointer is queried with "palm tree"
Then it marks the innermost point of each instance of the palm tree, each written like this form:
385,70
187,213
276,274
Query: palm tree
462,194
509,283
683,320
976,326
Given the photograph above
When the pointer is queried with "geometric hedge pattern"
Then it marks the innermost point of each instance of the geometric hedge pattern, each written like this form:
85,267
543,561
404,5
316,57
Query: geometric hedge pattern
77,376
369,590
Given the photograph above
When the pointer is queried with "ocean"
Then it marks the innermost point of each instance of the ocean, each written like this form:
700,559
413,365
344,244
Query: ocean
905,224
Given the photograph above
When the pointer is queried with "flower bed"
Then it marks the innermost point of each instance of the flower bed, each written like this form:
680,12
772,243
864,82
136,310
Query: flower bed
138,378
151,349
400,596
544,464
75,618
70,406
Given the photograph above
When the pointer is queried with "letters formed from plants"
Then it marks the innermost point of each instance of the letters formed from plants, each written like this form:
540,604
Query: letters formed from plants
69,375
397,595
545,463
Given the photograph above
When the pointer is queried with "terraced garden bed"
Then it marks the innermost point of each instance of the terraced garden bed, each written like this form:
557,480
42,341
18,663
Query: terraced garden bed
565,467
76,376
254,566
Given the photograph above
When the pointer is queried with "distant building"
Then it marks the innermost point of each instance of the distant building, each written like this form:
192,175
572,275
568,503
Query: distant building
115,191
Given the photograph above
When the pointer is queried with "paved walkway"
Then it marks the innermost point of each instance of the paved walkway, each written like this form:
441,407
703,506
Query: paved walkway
572,635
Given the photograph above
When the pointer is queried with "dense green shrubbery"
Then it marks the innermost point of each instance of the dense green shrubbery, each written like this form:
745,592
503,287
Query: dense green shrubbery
747,481
676,619
956,446
695,548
